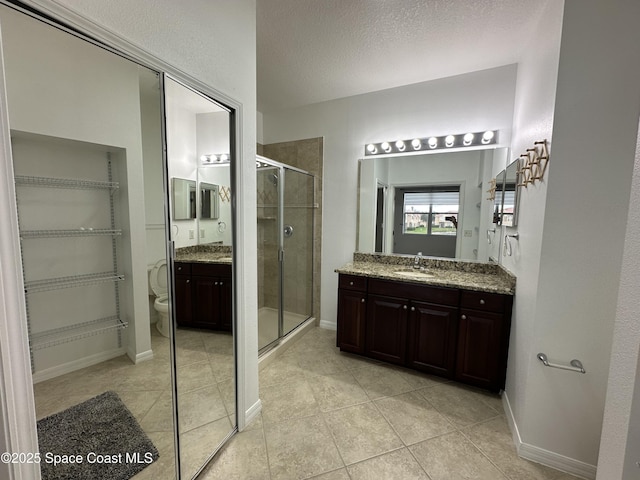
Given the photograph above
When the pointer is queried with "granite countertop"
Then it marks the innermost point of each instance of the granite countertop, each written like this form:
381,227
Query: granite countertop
478,276
205,254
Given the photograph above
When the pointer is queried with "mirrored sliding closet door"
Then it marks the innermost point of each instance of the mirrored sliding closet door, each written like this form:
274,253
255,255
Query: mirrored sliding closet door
126,255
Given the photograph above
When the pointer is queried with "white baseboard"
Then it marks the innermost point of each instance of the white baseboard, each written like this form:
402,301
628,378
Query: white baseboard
140,357
542,456
252,412
328,325
76,365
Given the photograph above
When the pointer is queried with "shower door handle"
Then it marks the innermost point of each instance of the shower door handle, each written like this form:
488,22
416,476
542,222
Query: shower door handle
288,230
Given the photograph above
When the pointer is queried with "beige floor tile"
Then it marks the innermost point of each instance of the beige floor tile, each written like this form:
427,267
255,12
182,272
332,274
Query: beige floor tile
228,391
336,391
189,354
243,458
147,375
220,343
284,369
419,379
159,418
381,381
139,403
413,418
197,445
287,401
200,407
395,465
194,376
453,456
353,361
494,439
361,432
322,362
300,448
462,406
335,475
222,365
48,405
164,467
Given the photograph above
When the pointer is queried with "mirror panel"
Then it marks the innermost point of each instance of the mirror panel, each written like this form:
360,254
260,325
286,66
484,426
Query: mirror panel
498,201
381,178
184,198
209,201
511,195
202,297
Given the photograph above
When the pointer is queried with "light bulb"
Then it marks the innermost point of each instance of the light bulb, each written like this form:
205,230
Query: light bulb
385,146
224,157
433,142
416,144
204,158
468,138
400,145
371,148
487,136
448,141
213,158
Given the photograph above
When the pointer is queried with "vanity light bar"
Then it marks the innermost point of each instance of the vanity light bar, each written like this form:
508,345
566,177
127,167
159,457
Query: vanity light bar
471,139
215,158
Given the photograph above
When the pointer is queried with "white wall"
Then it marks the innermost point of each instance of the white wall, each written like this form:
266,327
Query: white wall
472,102
594,136
532,121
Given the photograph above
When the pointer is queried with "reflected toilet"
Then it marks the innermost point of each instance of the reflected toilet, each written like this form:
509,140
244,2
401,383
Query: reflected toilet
158,283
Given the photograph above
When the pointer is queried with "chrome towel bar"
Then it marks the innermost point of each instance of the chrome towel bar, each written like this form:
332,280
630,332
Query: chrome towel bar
575,365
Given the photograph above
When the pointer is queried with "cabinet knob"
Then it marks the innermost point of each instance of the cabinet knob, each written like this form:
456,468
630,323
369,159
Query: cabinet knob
362,300
463,317
481,301
221,283
215,283
351,283
404,307
413,309
179,268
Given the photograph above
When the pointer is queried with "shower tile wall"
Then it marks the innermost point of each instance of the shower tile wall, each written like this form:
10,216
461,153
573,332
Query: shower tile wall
307,155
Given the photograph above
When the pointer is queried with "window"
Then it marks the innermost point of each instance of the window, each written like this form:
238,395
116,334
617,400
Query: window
431,211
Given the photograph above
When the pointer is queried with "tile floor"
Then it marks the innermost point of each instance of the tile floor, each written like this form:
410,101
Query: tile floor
328,415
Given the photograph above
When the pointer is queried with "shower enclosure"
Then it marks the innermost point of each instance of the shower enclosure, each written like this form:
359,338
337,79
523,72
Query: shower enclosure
285,250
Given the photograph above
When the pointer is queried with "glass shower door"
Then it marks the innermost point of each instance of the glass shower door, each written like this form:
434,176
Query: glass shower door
297,268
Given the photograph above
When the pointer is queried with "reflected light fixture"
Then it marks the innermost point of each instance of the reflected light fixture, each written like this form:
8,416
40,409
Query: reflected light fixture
470,139
215,159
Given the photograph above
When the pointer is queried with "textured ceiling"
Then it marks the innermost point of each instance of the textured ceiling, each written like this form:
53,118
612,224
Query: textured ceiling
310,51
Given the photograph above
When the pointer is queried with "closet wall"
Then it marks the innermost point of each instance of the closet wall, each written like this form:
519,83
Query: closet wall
94,114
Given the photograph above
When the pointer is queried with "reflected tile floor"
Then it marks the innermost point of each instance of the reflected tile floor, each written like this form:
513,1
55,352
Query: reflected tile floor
205,371
329,415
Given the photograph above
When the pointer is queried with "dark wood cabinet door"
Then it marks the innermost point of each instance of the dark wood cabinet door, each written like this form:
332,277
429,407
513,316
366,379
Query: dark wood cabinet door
386,333
183,300
226,304
351,320
479,360
206,301
431,345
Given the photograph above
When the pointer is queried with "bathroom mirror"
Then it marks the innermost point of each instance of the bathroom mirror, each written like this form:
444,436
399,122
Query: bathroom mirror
498,199
184,198
381,178
208,201
511,195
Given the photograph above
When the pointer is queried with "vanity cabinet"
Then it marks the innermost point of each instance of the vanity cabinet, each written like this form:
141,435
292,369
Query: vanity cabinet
352,308
203,295
458,334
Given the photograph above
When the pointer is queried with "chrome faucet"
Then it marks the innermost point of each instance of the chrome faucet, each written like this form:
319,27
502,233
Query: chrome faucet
416,260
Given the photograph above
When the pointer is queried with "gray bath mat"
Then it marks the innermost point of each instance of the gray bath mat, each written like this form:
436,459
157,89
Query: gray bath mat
100,438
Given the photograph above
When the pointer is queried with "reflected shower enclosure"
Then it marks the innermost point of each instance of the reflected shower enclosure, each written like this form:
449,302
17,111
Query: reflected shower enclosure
285,250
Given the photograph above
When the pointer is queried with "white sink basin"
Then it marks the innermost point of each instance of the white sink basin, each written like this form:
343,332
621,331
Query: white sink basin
414,274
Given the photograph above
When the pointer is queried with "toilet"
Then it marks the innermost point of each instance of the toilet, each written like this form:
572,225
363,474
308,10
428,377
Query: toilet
158,283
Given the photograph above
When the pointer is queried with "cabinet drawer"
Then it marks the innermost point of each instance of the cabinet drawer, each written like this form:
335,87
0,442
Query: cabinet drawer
413,291
488,302
182,268
353,282
211,269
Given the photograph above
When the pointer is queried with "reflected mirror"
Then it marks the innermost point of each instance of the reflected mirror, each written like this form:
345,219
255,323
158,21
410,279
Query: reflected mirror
208,201
433,203
202,268
184,198
498,200
511,195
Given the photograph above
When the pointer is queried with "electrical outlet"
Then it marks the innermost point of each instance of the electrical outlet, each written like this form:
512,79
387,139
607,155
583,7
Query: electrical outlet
468,233
192,234
202,233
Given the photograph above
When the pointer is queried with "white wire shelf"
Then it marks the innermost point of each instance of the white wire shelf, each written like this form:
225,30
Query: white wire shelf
81,232
73,281
64,183
58,336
